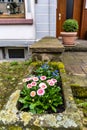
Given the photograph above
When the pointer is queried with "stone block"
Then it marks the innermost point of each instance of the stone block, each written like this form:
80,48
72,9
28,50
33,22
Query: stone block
47,49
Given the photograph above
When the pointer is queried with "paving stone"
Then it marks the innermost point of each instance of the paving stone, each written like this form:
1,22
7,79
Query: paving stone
84,68
75,69
78,80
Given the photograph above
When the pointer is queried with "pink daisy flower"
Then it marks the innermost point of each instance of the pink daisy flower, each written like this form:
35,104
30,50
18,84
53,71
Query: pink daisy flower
43,85
29,86
35,79
43,77
54,80
51,83
40,92
33,83
33,93
26,79
48,81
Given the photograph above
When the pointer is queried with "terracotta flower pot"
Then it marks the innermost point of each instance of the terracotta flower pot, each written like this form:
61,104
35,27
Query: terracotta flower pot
68,38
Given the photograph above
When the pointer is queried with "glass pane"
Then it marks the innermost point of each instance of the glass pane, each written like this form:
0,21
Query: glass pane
69,11
11,8
86,4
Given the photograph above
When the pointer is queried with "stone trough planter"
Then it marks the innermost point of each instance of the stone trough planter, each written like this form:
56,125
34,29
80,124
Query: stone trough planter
13,119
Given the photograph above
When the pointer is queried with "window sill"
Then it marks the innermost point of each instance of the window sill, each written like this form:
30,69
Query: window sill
16,21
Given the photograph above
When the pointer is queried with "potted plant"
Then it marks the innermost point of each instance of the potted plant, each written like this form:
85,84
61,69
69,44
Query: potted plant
70,27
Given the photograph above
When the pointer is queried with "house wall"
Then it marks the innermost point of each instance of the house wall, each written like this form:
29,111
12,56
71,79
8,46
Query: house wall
20,31
44,22
45,15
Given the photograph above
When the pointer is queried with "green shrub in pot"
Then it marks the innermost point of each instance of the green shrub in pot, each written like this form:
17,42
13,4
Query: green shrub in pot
70,25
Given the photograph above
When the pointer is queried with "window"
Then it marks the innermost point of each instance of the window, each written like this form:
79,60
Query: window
16,53
1,0
21,0
15,12
12,9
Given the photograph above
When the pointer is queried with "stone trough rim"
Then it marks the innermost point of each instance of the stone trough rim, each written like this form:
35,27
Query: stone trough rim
68,119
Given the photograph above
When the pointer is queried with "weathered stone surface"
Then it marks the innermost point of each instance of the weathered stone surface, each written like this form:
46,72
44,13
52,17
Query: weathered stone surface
68,120
46,57
75,63
47,44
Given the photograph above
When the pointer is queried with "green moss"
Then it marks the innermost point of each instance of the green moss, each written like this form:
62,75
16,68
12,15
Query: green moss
80,92
14,128
85,112
82,104
61,65
36,63
75,85
10,128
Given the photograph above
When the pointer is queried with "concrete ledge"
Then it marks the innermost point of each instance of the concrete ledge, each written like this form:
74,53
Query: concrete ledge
80,46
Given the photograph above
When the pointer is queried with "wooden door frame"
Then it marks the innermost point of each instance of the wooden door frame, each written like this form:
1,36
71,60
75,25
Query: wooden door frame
61,8
84,11
77,14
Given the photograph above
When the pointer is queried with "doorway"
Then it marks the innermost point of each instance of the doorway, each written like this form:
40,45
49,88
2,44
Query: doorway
68,9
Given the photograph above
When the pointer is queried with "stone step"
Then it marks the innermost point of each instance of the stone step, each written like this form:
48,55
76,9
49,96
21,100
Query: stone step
47,49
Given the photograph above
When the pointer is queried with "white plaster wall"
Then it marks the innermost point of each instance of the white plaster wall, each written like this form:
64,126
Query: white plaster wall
45,15
20,31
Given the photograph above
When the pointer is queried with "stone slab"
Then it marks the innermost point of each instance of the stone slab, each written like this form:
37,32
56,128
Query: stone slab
47,44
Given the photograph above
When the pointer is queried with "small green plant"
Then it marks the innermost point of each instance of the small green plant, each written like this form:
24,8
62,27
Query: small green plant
70,25
13,63
28,62
41,91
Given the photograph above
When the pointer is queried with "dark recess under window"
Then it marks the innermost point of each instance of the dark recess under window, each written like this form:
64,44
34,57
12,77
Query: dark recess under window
16,53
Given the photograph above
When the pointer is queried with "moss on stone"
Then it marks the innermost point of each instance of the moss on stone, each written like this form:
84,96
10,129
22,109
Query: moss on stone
75,85
80,92
14,128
